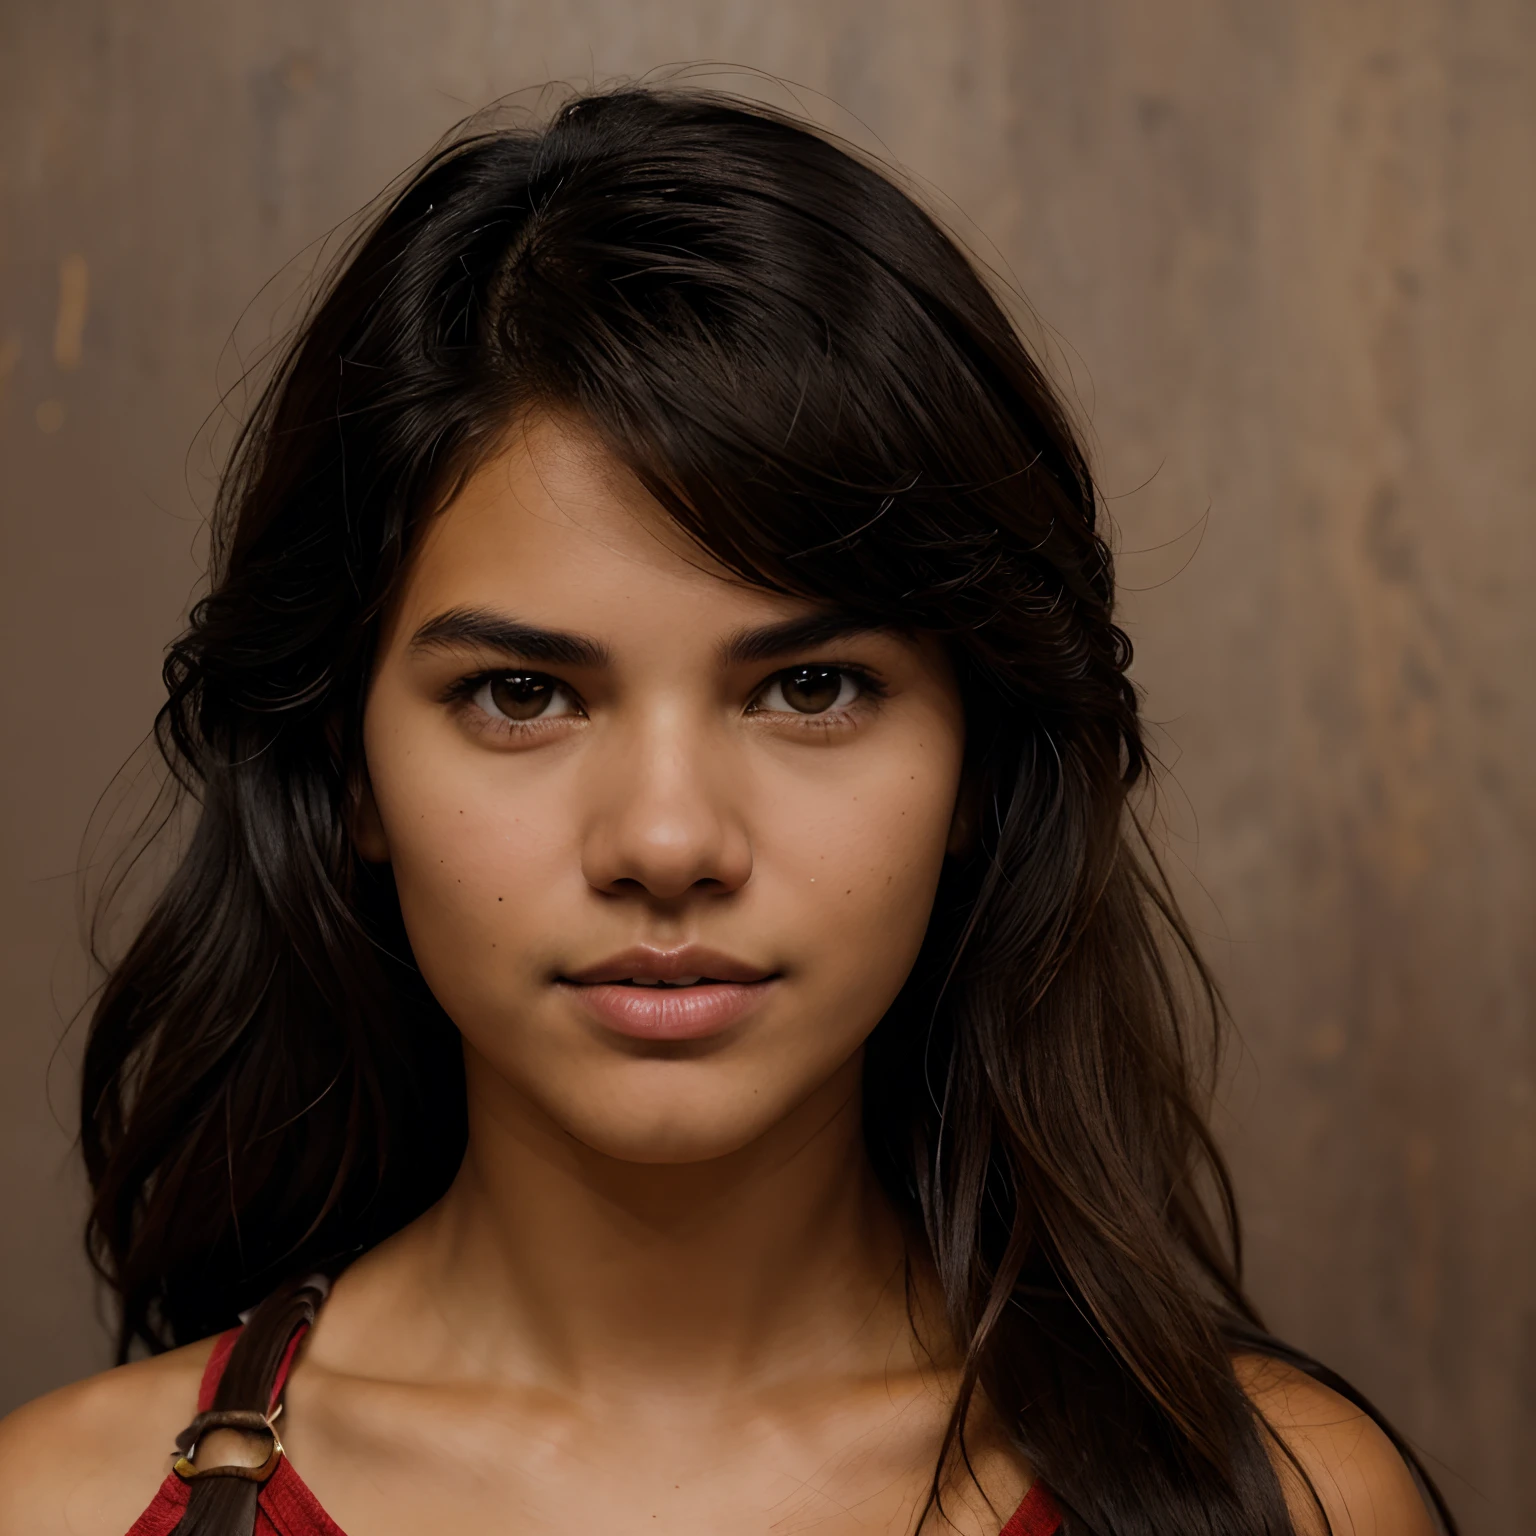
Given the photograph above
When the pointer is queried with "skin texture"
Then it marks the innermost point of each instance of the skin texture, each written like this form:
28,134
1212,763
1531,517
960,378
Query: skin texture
671,810
665,1292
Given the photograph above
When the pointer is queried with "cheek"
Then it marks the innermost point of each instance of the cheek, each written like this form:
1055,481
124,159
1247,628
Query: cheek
468,856
860,876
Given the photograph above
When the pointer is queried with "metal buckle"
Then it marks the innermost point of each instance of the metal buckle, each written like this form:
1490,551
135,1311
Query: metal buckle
247,1421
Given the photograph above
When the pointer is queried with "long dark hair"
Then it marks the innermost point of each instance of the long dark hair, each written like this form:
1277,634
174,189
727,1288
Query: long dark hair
813,380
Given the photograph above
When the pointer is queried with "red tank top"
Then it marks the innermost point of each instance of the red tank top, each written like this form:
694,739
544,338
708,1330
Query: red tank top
285,1507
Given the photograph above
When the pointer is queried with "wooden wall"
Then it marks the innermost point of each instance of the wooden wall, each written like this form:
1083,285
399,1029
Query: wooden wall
1282,252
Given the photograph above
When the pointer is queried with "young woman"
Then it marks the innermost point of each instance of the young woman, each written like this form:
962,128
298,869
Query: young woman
663,926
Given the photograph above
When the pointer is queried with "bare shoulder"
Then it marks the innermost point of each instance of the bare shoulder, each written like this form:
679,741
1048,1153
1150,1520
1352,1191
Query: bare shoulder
86,1460
1365,1487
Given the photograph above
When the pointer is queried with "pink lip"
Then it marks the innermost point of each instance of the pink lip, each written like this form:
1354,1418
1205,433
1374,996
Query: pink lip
672,1013
644,962
730,989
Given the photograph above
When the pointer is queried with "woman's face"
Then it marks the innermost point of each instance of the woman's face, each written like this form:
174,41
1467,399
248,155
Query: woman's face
598,763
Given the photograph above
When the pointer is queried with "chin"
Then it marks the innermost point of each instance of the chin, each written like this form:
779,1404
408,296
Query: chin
646,1126
675,1143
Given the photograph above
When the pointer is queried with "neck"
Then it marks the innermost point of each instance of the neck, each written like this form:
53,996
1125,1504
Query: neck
551,1262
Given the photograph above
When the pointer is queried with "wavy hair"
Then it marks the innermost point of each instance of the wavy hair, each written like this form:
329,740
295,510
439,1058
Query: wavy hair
813,380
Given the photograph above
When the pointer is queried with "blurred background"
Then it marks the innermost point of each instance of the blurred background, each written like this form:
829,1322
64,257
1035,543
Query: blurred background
1279,252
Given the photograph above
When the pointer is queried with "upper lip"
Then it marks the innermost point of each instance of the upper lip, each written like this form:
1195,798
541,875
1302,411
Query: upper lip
641,962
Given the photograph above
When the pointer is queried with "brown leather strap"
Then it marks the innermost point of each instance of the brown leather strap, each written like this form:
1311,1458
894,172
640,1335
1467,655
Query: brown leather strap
223,1498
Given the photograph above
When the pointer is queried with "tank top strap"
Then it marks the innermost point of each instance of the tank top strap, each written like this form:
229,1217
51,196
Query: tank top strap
281,1504
1036,1516
286,1364
213,1372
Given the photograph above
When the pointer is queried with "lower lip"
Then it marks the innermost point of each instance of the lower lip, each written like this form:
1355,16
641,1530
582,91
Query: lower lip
671,1013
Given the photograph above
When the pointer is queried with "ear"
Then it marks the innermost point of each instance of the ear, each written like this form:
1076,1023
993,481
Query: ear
965,823
366,825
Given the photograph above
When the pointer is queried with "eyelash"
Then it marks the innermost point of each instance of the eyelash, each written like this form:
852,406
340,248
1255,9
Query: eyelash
461,695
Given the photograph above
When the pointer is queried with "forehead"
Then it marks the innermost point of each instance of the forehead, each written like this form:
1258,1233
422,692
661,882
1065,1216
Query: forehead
556,528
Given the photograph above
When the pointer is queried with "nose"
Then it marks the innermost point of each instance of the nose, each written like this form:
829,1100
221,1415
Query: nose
664,821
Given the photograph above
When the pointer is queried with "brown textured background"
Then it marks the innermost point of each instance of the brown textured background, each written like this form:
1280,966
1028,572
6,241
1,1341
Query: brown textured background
1284,252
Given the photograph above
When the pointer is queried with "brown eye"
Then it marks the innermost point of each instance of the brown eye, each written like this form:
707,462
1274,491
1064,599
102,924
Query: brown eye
810,690
522,696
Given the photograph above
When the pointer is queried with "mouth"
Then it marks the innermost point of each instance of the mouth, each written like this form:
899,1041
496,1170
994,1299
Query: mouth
682,981
683,994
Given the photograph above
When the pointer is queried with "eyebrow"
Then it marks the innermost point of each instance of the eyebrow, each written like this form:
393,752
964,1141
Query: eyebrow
483,628
802,634
489,630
